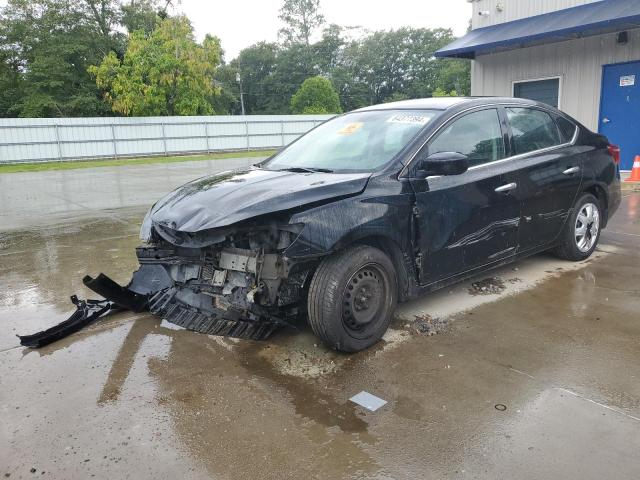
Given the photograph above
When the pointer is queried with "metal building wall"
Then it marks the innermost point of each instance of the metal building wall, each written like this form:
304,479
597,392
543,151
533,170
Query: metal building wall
516,9
46,139
578,63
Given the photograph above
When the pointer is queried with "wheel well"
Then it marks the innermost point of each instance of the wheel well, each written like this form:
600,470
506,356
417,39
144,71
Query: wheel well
600,193
394,252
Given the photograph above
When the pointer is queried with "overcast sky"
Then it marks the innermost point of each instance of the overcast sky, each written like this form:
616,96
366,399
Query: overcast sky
240,23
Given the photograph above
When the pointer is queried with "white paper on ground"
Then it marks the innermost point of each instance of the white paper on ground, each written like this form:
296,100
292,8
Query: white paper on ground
368,401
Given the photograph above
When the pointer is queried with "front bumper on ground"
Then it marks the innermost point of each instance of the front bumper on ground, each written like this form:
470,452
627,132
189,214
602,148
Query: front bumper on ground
87,311
163,303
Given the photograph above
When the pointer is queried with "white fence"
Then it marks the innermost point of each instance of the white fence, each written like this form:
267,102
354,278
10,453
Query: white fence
52,139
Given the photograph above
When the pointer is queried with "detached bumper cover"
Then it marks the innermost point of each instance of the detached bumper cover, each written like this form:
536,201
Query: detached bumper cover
87,311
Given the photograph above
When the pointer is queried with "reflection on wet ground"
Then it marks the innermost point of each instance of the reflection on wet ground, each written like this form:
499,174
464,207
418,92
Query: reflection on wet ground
134,397
49,197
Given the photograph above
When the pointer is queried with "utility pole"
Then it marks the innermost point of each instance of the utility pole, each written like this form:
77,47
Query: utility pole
239,80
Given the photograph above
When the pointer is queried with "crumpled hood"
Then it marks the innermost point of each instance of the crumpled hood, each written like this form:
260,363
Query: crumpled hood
226,198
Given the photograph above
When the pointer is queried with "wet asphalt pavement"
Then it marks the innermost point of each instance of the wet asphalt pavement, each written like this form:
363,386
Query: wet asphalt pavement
557,344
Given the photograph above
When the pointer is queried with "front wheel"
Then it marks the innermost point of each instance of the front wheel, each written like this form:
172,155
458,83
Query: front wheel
352,297
582,230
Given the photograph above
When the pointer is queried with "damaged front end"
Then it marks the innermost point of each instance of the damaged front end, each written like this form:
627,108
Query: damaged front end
213,258
234,281
240,285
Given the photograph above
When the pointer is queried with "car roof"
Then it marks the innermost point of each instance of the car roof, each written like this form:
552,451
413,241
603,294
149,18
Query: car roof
435,103
445,103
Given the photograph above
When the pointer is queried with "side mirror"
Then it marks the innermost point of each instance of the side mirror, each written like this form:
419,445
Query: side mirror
443,163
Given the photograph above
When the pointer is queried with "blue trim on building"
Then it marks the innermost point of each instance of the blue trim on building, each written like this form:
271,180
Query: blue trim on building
596,18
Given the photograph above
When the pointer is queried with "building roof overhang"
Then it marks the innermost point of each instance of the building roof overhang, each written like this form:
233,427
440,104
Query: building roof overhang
596,18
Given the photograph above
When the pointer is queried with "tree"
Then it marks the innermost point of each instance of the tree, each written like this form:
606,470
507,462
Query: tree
10,83
48,45
454,75
140,15
256,64
328,51
165,73
293,65
397,97
378,67
301,18
227,100
316,95
440,92
353,92
397,62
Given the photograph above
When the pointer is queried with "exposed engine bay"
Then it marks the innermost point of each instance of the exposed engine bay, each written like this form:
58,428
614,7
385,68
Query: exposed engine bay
241,286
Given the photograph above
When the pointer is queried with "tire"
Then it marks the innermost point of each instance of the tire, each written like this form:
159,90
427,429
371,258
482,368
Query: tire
352,297
575,245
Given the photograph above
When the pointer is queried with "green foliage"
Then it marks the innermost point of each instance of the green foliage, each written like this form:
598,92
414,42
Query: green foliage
140,15
256,66
95,57
10,83
47,46
294,65
226,100
396,97
380,67
316,96
399,61
440,92
164,73
455,75
301,18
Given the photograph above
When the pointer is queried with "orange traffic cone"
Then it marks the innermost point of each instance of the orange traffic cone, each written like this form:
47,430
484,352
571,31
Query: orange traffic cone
635,171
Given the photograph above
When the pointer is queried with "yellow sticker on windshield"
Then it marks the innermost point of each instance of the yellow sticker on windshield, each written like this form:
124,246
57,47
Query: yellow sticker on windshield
351,128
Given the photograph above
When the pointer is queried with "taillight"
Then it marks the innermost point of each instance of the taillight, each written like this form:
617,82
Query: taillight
614,151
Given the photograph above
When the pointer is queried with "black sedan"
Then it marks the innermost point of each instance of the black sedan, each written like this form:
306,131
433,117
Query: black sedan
371,208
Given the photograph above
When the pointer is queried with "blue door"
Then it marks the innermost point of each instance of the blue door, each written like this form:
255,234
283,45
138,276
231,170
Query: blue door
620,109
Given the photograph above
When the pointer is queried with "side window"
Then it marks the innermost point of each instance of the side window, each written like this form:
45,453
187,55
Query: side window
532,130
476,135
567,129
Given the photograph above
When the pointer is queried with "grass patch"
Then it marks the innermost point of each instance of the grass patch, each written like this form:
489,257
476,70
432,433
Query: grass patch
72,165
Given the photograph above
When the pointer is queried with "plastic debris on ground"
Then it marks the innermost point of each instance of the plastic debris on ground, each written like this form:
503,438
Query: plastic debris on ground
368,401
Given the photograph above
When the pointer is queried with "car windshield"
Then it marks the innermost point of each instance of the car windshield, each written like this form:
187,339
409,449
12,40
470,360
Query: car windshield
355,142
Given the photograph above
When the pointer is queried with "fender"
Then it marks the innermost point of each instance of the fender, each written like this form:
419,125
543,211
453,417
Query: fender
329,227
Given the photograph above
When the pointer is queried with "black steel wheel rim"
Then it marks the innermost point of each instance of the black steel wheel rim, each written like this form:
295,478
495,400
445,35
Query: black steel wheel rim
365,299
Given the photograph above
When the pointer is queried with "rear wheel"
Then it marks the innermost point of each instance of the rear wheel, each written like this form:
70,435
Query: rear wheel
352,297
582,230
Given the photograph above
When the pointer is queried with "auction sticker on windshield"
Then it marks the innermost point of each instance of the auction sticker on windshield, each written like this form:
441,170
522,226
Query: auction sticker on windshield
351,128
409,119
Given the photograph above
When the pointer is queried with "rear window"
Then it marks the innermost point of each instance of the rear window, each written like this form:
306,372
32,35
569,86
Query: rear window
532,130
567,129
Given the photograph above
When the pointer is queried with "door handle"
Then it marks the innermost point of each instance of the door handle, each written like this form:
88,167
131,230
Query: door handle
506,188
571,171
605,120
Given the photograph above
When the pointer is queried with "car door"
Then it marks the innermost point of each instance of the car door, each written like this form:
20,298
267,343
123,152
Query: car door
468,220
547,169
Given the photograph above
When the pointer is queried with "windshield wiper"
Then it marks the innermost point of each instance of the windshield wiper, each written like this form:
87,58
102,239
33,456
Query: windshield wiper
306,170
